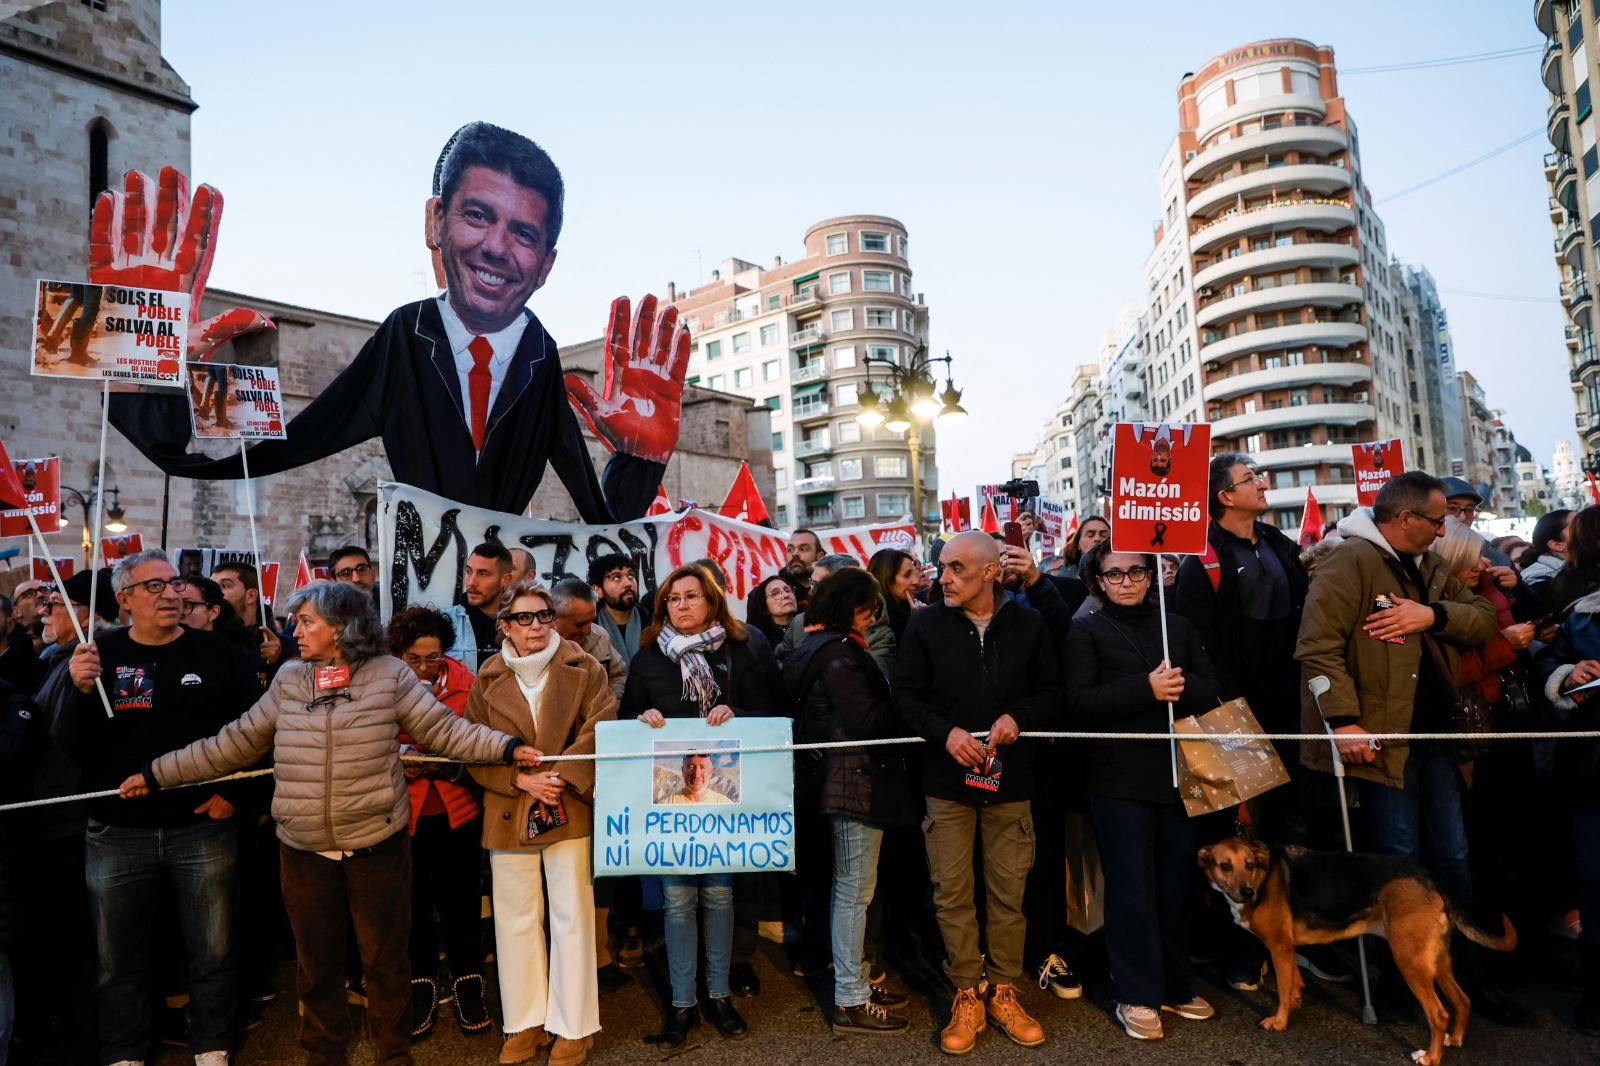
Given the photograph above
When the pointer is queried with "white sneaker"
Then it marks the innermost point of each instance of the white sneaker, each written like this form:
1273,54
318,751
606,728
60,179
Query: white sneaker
128,1062
1141,1023
211,1058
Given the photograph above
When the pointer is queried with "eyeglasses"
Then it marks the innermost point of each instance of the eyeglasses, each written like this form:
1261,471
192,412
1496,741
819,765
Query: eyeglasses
1136,574
157,585
1250,479
191,605
684,600
1461,510
1438,523
52,604
423,660
527,618
348,572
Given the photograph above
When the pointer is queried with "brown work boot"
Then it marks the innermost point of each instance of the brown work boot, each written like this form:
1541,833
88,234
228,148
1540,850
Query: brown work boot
1015,1022
523,1046
570,1052
966,1022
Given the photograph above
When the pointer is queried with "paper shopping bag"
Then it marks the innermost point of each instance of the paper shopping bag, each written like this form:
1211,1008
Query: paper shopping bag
1222,773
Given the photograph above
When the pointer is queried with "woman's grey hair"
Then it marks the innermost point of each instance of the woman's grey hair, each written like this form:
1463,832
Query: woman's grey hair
122,573
1459,546
350,612
528,586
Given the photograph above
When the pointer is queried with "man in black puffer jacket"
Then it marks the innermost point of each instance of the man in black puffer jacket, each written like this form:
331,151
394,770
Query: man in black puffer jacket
978,661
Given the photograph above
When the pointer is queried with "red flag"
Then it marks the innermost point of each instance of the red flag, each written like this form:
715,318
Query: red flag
11,492
302,574
1311,521
988,522
661,504
1072,530
744,499
1594,490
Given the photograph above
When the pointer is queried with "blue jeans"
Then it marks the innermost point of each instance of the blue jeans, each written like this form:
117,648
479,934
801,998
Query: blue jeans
124,871
1423,819
855,878
684,895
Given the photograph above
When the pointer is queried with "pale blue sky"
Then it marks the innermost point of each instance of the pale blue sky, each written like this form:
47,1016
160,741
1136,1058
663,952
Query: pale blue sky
1017,142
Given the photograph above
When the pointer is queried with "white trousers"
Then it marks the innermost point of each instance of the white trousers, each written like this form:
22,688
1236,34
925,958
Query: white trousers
555,987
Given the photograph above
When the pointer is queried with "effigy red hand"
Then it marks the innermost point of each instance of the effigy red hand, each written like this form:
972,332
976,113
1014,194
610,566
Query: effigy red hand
637,413
151,236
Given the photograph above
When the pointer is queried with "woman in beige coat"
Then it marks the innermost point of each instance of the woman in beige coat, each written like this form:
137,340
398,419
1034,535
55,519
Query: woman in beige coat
331,722
537,827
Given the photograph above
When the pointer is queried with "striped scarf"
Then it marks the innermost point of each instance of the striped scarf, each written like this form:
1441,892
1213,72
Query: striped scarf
689,652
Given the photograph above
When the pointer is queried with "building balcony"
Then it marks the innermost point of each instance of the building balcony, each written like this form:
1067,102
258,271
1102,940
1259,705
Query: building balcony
816,370
813,447
810,296
1310,103
1566,183
1314,140
1286,377
807,337
1319,178
1307,455
1580,302
806,486
819,516
1584,366
1325,255
804,411
1310,414
1544,16
1310,294
1556,124
1569,245
1295,495
1323,334
1326,216
1550,65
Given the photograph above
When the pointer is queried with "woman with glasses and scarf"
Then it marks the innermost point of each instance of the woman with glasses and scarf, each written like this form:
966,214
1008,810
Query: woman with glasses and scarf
332,721
694,662
537,826
1119,681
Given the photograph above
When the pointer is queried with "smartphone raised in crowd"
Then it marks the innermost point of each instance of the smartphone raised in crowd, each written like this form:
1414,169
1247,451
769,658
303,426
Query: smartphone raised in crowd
1014,535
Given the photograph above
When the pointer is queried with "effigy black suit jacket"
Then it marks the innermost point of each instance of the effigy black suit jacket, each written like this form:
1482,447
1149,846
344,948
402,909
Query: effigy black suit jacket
403,386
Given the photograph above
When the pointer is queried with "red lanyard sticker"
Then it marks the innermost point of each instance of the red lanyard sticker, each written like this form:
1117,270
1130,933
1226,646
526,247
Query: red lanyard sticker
332,677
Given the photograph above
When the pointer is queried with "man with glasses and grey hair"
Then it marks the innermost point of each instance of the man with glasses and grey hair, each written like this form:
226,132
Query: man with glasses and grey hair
168,686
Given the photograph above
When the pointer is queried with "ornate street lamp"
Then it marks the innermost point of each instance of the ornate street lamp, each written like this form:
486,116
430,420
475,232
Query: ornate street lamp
911,399
114,514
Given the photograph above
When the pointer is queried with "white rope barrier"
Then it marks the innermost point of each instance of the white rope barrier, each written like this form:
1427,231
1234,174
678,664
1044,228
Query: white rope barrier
833,745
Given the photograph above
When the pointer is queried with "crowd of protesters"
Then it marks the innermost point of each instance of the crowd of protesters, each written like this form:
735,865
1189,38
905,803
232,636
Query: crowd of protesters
404,785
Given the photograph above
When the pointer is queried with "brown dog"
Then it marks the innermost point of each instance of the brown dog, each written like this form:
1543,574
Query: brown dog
1292,896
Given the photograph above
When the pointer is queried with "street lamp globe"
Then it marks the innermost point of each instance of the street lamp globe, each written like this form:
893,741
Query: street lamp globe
871,414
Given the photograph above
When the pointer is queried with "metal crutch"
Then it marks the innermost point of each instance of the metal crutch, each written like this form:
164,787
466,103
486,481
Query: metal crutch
1319,685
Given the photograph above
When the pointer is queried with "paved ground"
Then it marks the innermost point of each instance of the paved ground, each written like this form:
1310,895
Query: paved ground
787,1027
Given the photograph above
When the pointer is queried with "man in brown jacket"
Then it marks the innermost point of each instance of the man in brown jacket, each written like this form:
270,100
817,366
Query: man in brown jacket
1383,623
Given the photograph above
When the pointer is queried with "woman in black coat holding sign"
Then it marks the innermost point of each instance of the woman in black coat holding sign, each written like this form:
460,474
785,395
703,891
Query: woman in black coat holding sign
842,696
1118,681
694,662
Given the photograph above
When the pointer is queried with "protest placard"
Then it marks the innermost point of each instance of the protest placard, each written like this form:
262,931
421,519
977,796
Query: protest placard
1158,487
121,546
1052,516
424,539
1375,462
996,494
41,483
693,800
39,567
110,332
227,401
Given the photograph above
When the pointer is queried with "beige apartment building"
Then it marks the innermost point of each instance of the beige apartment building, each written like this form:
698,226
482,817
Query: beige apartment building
1271,311
802,338
1568,68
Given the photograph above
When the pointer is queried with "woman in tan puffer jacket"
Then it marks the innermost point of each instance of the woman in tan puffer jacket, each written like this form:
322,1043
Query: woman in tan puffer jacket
331,722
